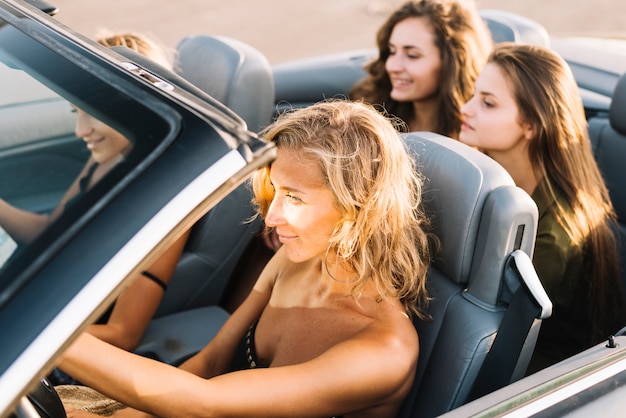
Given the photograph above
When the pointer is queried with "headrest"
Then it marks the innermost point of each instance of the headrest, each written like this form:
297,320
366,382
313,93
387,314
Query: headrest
232,72
168,75
511,27
617,111
458,181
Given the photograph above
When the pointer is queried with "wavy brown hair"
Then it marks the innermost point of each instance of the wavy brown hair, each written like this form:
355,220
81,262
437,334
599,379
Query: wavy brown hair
548,99
376,187
464,43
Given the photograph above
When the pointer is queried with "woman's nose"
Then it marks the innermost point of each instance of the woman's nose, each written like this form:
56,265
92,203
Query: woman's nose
274,215
83,124
393,64
466,108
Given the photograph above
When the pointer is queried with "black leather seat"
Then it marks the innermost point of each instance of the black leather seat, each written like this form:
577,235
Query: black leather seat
487,229
232,72
608,139
239,77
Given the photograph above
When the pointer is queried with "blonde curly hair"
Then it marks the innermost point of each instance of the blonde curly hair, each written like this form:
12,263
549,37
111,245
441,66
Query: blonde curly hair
376,187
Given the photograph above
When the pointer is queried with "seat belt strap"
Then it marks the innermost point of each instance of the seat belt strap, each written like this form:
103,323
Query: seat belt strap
519,328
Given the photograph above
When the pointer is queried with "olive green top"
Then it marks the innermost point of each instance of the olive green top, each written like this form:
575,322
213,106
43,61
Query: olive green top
559,265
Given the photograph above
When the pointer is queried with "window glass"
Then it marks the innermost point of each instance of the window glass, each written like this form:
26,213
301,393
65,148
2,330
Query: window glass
71,130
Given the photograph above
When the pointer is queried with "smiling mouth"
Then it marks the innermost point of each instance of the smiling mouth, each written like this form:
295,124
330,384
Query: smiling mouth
93,142
400,83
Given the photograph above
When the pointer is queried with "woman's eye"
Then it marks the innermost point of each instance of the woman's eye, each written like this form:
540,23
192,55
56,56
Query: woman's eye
293,199
488,104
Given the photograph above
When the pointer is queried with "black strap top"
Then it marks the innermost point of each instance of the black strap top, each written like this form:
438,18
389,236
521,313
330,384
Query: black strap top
245,355
83,184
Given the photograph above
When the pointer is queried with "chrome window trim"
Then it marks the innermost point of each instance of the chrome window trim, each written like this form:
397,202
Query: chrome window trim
549,387
572,384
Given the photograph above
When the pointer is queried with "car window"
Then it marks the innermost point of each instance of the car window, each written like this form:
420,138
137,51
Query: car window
39,153
46,163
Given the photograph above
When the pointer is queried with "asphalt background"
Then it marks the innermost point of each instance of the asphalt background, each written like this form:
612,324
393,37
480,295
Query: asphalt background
290,29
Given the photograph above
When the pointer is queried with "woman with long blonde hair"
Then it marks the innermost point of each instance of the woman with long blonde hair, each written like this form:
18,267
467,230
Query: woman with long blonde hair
344,198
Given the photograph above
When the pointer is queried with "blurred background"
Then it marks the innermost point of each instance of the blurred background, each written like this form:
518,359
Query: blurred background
291,29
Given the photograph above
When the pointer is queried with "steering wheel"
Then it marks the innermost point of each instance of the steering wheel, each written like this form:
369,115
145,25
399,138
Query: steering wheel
45,400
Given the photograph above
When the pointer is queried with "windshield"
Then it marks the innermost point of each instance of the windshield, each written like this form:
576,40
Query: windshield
69,134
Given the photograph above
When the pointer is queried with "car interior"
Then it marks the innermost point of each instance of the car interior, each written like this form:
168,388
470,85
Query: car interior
487,304
190,313
474,281
51,143
232,72
223,242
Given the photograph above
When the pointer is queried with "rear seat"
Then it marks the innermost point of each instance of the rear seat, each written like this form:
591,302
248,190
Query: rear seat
608,138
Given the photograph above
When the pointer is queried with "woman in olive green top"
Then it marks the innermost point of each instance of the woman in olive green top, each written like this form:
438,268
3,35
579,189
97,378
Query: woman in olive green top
559,264
527,114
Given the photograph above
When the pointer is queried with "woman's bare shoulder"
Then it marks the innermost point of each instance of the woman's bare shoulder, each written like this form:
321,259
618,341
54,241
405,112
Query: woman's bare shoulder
275,268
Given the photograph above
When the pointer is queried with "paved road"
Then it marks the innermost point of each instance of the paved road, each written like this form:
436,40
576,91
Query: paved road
290,29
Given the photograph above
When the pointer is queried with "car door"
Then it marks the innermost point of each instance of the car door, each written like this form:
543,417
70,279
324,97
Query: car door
187,154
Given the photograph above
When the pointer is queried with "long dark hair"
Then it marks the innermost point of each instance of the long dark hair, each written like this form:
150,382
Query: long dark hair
548,99
464,44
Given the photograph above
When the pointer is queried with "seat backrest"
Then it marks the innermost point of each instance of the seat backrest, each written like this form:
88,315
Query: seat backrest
215,245
481,218
608,139
240,77
232,72
510,27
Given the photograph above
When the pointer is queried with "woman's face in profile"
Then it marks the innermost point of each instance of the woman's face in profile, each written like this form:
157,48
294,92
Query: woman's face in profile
491,119
103,141
302,212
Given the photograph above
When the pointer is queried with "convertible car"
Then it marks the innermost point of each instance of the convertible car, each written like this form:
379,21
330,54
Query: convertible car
195,144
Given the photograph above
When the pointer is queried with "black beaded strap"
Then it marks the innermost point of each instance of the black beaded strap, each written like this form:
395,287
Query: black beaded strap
250,347
155,279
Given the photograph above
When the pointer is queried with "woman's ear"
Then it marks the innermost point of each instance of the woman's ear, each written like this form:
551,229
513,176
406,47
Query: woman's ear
529,131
